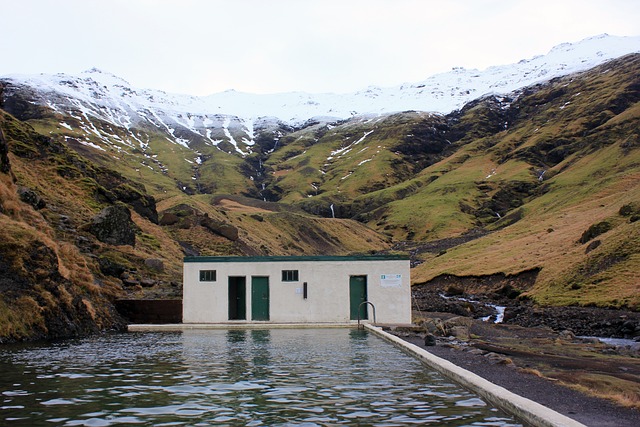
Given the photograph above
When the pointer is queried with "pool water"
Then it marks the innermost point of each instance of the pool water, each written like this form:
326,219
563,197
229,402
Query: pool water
286,377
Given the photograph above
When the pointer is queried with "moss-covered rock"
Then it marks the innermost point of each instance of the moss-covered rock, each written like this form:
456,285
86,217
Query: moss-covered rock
113,225
221,228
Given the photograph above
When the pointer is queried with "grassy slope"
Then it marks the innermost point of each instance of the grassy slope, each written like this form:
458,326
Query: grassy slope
166,168
340,162
219,173
588,186
72,198
273,229
398,176
48,287
58,263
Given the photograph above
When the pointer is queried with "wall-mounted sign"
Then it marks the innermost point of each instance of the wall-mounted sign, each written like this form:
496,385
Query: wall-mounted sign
391,280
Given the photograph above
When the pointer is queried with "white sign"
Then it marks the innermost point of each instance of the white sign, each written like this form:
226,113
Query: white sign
391,280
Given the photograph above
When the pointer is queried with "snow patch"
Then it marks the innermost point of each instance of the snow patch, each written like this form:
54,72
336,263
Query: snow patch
98,95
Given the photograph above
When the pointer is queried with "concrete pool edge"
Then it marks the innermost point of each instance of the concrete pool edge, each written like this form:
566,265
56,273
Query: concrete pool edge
252,325
522,408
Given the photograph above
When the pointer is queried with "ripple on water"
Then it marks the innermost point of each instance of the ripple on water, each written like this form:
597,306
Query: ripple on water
304,377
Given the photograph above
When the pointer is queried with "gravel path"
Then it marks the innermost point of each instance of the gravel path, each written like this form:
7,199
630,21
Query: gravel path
588,410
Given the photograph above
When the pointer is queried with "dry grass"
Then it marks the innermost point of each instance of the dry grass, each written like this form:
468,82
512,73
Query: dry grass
14,208
532,371
162,245
76,268
20,318
64,297
25,223
623,393
89,306
238,207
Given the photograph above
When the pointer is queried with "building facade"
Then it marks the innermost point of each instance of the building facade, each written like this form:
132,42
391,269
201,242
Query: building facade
297,289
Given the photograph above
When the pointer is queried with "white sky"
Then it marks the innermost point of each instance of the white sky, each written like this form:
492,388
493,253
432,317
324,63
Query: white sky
201,47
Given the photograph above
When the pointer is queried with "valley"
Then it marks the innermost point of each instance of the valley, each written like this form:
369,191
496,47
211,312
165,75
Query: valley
105,188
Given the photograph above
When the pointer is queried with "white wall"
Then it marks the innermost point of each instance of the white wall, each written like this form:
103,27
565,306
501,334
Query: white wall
327,284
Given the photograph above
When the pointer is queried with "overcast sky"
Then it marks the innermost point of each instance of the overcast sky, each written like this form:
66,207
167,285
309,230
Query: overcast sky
201,47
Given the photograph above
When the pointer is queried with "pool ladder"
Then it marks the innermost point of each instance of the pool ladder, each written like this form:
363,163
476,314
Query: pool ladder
374,312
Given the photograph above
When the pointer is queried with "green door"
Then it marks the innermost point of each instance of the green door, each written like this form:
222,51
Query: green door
358,294
237,298
259,298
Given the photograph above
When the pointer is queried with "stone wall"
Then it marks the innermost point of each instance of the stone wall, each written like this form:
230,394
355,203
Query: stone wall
150,311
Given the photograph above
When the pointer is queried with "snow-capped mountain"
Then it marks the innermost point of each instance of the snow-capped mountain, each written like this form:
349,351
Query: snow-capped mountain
234,116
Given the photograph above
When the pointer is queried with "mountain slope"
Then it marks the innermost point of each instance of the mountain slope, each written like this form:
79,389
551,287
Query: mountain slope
220,143
442,93
567,161
76,236
543,182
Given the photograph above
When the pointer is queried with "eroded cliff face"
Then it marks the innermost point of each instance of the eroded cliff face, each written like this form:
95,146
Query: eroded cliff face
47,289
5,166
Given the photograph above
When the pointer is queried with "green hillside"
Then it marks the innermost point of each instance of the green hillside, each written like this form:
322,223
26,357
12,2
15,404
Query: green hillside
545,179
59,276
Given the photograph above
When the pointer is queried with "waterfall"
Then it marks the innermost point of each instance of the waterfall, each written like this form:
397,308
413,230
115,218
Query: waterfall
333,214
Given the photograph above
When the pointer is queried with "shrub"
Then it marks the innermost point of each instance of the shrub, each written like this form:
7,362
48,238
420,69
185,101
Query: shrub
629,209
594,231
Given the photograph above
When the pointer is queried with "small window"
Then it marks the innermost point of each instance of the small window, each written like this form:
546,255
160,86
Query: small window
289,275
207,275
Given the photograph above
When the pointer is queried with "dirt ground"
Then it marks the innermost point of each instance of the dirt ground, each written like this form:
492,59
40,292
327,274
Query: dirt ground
559,371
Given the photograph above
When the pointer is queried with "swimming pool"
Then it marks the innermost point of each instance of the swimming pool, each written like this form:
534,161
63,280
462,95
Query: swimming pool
304,377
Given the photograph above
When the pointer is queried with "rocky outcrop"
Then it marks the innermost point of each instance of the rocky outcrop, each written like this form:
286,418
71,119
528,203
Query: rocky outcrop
220,228
109,267
477,296
5,166
154,264
39,302
113,187
142,203
594,231
113,225
588,321
185,216
32,198
169,218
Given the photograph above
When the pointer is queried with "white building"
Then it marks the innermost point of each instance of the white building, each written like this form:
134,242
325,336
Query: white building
296,289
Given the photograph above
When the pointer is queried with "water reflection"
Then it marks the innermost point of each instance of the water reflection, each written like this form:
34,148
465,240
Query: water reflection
235,377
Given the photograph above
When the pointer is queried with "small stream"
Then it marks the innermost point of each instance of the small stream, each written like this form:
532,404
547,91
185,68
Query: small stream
499,315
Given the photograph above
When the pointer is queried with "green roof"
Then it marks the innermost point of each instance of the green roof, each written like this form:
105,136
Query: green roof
295,258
